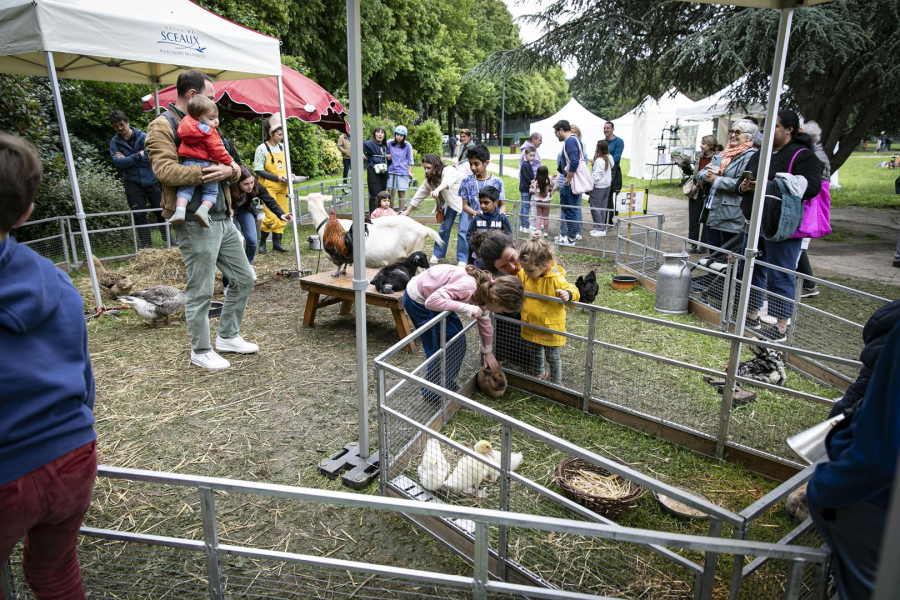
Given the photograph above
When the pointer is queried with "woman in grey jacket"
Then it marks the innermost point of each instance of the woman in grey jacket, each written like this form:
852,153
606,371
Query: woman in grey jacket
725,219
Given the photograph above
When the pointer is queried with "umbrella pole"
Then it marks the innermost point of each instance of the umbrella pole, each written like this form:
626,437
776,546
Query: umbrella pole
287,159
73,178
762,176
156,92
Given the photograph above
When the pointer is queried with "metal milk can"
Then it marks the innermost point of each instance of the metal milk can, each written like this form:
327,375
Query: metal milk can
315,243
673,284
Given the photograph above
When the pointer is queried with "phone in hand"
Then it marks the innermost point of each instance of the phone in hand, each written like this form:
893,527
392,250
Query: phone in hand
748,175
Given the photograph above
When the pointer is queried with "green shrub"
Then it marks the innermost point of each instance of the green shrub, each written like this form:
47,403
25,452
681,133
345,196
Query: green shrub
426,138
331,157
306,148
370,123
399,114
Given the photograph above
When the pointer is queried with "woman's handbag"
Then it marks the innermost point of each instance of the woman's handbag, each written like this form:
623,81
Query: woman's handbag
690,188
581,180
816,215
380,168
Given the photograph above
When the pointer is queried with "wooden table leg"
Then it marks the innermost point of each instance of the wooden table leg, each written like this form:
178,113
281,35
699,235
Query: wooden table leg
312,303
404,327
346,307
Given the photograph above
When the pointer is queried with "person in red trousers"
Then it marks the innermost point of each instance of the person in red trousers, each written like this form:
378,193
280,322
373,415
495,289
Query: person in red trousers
48,457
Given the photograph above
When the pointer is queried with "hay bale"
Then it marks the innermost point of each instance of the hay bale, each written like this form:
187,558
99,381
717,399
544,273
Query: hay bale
156,266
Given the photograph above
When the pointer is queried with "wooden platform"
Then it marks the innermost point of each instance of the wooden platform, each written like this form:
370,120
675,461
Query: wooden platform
325,290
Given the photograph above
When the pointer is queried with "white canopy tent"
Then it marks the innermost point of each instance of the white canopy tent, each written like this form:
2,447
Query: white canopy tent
590,124
128,42
642,127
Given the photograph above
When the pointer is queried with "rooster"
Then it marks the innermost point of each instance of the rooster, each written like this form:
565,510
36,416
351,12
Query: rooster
587,286
338,243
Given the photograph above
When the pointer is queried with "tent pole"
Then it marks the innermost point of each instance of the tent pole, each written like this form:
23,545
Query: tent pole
156,95
360,283
502,121
762,176
73,177
287,159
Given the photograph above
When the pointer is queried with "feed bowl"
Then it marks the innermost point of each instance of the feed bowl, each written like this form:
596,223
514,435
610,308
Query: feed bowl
623,282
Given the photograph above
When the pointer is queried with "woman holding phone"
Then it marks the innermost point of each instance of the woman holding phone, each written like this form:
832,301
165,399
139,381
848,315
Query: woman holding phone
724,219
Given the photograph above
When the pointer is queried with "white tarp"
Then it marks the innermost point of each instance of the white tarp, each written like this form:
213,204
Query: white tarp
127,41
590,124
647,123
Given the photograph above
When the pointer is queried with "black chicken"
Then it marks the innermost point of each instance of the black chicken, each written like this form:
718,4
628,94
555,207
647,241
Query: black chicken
587,286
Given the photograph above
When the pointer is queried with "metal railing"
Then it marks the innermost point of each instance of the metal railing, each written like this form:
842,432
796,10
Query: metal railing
417,404
229,570
836,330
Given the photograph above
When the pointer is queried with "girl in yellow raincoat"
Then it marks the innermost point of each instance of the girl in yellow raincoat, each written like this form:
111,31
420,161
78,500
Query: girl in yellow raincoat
541,275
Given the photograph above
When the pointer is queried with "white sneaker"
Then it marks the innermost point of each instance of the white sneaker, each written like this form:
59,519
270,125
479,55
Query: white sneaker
545,234
598,233
524,229
210,361
253,272
235,344
564,241
434,260
577,236
461,264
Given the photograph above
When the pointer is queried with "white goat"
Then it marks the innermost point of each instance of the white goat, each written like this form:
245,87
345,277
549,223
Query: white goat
390,239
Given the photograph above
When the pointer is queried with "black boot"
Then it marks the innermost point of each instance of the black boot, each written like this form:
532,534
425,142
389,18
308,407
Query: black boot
276,243
263,236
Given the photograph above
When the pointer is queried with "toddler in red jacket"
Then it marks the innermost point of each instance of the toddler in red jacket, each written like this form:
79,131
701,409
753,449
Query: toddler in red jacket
200,145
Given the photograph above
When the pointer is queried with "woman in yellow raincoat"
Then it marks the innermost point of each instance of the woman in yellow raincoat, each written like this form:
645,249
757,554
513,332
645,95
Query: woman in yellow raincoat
270,167
541,275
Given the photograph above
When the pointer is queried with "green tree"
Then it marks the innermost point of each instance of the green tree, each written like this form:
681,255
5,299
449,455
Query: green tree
838,70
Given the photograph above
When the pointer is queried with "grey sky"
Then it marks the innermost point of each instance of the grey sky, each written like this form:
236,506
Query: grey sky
528,31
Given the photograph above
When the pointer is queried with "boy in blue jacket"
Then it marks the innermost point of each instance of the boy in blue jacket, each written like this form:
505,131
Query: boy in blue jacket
490,218
526,176
848,496
48,457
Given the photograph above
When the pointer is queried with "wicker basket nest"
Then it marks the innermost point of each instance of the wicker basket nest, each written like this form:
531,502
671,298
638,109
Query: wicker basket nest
570,468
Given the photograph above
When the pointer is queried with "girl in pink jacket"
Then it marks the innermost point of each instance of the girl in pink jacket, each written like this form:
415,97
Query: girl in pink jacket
465,290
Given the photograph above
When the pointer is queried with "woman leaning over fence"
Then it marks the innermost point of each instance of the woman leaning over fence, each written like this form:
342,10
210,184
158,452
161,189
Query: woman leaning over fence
247,200
723,204
792,152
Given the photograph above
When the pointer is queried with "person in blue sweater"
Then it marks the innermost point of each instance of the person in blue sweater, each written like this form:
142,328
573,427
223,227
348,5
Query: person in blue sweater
570,204
142,190
848,496
490,218
48,457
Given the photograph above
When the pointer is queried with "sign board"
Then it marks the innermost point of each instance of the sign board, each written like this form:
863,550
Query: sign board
629,204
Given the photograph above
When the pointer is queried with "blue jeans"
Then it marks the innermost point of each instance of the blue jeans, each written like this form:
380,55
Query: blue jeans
431,341
445,230
210,188
524,210
245,221
553,360
570,209
782,254
854,536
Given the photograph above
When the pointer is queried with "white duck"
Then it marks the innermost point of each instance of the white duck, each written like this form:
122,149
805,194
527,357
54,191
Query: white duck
433,468
485,448
155,304
469,473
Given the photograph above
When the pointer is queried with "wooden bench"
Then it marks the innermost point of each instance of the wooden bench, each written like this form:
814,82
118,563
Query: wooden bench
325,290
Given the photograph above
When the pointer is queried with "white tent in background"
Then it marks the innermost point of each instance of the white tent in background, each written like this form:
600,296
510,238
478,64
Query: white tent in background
128,42
590,124
646,126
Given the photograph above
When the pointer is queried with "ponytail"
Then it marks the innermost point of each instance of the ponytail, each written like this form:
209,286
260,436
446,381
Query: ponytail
506,290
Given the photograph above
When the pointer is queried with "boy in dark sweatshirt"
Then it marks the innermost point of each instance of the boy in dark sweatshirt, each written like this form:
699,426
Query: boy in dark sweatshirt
490,217
48,457
848,496
526,176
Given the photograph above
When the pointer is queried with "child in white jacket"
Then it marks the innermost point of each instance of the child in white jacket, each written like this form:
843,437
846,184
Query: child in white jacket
601,175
